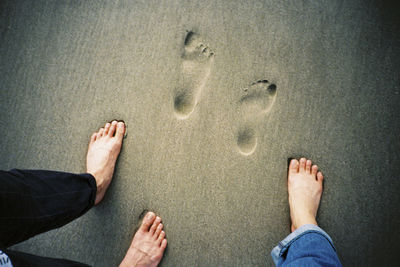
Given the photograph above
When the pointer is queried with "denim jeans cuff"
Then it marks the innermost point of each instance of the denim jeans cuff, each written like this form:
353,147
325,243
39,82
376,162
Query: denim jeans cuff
5,260
284,245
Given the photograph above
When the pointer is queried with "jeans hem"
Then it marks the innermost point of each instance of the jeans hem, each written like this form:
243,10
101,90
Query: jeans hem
283,246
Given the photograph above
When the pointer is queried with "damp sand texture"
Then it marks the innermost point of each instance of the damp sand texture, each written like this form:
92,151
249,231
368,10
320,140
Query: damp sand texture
217,95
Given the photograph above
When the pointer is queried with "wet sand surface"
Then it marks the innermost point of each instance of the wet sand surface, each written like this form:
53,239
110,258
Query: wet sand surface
217,95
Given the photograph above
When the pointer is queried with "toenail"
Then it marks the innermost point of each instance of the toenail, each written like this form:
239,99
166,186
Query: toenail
150,215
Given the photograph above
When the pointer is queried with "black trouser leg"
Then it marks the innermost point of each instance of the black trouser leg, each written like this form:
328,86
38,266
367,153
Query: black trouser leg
36,201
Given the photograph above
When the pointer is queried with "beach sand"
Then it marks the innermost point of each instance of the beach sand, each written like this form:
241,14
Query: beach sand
217,95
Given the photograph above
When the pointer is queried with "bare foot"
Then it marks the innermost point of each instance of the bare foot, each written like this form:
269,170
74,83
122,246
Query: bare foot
104,148
305,190
148,244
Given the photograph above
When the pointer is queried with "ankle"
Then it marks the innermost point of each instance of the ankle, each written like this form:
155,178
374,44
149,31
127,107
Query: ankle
100,188
303,221
98,179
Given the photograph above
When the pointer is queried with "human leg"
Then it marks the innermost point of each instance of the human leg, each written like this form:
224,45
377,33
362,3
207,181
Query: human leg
35,201
148,244
307,245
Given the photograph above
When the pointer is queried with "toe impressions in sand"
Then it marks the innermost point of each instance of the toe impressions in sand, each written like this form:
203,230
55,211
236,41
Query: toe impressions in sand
196,66
256,101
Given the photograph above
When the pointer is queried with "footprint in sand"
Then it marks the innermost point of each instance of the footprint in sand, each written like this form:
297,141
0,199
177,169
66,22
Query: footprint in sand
196,67
256,101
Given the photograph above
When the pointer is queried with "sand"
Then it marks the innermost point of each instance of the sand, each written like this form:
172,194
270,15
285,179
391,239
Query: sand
217,95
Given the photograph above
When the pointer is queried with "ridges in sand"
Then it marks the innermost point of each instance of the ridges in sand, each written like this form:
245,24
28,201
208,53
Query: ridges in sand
196,66
256,101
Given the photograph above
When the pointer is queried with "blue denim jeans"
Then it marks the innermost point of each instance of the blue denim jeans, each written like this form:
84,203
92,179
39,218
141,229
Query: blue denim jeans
4,260
308,246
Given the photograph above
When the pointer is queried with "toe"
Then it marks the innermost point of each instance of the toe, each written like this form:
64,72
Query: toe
113,126
314,170
302,167
158,230
156,222
148,221
120,130
161,238
164,244
308,166
294,166
93,137
320,177
106,128
99,133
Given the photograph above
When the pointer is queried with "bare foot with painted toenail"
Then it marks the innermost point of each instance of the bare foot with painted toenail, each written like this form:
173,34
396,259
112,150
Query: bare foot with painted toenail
148,244
104,148
305,190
